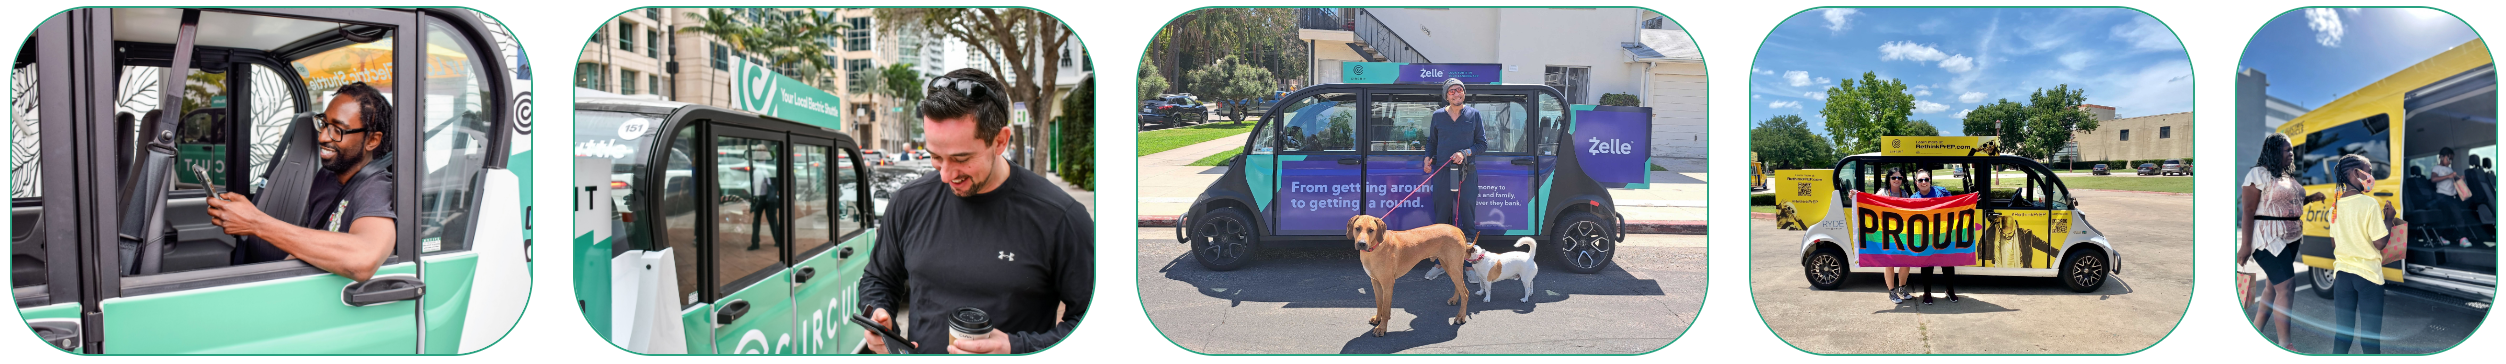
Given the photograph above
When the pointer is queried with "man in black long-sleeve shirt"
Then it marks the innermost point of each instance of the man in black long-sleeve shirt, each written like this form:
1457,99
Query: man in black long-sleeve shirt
979,233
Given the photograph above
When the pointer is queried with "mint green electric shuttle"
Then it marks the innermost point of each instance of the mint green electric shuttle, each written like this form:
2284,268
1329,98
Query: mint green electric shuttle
112,161
703,230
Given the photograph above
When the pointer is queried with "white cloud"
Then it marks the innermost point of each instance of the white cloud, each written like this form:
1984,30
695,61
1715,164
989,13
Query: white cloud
1910,51
1927,107
1784,105
1839,19
1971,97
1755,96
1892,51
1958,64
1821,96
1762,72
1802,78
1922,93
2078,60
2327,25
2146,34
1961,115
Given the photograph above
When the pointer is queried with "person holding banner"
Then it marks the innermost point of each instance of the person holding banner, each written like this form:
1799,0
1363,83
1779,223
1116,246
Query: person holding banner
2361,229
1923,188
1895,277
1457,137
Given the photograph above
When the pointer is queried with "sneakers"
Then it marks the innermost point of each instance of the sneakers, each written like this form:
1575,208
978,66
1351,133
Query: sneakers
1893,297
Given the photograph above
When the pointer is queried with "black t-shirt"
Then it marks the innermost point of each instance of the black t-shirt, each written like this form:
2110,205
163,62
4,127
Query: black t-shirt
1017,253
331,207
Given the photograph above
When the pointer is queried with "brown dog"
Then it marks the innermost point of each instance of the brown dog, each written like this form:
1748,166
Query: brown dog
1387,255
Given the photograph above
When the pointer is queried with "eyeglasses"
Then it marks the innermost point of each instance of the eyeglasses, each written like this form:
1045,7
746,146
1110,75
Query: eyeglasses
967,87
1923,180
329,128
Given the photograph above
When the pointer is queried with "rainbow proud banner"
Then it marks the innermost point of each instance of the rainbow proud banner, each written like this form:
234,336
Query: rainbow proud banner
1916,232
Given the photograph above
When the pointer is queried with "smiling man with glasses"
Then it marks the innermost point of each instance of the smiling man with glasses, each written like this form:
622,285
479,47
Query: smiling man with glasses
352,220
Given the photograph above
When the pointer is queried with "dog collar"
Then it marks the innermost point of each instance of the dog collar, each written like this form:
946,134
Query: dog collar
1476,256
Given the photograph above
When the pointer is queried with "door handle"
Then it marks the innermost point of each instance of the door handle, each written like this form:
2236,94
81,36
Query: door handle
382,290
1348,161
1525,161
803,275
846,253
731,312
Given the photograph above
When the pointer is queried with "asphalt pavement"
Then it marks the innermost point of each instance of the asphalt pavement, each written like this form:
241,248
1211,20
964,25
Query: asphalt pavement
2415,321
1313,300
1998,315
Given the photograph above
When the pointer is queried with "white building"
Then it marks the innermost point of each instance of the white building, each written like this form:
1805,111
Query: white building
1584,52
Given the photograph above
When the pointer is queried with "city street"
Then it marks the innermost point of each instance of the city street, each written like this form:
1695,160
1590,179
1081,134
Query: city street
1998,315
1313,300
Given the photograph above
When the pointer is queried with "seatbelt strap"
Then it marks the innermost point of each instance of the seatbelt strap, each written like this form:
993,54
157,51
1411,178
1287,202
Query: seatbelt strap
143,197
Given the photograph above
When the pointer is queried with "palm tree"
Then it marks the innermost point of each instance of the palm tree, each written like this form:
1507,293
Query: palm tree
723,26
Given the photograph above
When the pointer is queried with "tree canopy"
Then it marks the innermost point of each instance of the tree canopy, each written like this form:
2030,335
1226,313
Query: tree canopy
1785,142
1860,111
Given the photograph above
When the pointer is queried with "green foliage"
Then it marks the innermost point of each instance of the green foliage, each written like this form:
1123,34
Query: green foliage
1231,81
1265,38
1785,142
1152,82
1076,151
1620,100
1859,113
2036,129
2002,118
1921,128
2053,115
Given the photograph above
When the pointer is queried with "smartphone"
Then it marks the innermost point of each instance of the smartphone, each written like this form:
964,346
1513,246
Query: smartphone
896,343
207,184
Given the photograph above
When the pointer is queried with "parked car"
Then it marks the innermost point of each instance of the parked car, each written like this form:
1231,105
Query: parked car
2175,167
1173,110
2100,170
2147,169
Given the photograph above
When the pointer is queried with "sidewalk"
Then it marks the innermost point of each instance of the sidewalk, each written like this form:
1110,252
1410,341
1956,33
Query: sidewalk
1675,203
1085,197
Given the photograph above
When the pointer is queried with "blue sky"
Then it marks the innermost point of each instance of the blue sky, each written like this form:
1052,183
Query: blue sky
1953,59
2312,56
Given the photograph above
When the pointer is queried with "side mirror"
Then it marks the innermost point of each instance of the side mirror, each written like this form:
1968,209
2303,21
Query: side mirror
2073,201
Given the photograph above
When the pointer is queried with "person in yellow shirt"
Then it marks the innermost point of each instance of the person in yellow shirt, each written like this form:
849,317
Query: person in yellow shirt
2360,225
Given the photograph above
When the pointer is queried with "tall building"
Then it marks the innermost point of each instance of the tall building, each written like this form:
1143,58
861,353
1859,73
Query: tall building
627,55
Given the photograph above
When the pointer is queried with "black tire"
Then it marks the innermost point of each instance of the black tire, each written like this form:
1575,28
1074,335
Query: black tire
2085,270
1224,239
1585,243
1825,268
2323,280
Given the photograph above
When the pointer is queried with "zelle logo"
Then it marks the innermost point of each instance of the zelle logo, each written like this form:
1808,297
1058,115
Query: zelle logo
1430,73
1612,146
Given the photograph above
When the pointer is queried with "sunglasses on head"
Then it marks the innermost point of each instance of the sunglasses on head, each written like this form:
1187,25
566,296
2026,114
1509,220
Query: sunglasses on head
966,87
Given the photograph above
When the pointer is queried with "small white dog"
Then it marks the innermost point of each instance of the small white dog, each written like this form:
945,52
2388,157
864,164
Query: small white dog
1488,268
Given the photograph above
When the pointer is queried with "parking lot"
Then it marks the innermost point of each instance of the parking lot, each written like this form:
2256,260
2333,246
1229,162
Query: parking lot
1999,315
1314,301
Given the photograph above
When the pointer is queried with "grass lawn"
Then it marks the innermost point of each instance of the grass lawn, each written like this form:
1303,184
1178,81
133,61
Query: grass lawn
1216,159
1163,140
1765,209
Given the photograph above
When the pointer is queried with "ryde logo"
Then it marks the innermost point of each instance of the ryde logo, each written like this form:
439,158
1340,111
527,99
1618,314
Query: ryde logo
1612,146
756,87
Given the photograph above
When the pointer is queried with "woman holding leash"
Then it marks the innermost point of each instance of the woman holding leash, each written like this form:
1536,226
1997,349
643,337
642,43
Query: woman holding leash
2271,207
2361,230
